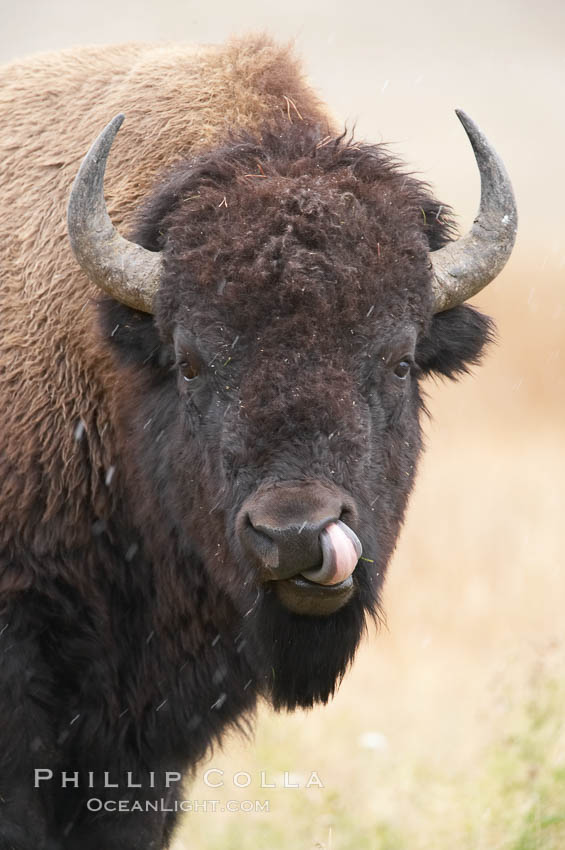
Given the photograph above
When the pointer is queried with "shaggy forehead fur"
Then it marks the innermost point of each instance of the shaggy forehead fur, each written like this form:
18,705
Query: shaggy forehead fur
318,242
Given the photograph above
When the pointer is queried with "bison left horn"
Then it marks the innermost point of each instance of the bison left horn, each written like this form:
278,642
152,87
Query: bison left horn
464,267
124,270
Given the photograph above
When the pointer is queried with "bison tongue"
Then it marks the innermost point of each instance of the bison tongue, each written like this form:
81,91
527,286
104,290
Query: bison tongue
341,550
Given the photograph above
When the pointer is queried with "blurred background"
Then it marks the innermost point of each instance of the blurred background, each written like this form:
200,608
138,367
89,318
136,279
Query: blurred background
448,732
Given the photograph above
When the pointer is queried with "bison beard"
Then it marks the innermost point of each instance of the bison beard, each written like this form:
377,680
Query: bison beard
302,658
180,475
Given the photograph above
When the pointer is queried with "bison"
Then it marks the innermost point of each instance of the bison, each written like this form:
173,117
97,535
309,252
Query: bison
203,469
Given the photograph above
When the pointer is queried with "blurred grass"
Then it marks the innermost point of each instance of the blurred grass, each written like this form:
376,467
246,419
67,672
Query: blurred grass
512,797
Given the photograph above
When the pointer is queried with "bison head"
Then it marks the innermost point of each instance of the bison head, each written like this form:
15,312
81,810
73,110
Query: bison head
279,304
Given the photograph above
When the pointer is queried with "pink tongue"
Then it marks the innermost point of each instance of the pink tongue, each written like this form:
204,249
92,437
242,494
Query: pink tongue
342,549
345,555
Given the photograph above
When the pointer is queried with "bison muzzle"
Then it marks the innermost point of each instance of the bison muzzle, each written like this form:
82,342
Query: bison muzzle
296,537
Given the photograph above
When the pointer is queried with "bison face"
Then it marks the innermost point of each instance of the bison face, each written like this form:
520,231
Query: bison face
273,400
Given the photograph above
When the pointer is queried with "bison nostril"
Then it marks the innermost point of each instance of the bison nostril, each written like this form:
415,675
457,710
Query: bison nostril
260,545
348,516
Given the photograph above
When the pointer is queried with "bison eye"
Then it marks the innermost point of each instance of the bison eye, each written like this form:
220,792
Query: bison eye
188,357
402,369
188,368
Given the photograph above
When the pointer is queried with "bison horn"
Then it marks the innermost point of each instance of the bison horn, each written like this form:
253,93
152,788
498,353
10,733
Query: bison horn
124,270
463,268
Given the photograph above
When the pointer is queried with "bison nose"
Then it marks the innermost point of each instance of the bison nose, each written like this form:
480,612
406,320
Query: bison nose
289,531
287,550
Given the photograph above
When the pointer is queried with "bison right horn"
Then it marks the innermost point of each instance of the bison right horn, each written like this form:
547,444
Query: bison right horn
126,271
464,267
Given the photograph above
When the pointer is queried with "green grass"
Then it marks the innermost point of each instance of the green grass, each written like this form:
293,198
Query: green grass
510,795
524,775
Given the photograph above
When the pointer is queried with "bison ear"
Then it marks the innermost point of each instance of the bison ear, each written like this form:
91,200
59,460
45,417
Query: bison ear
455,341
131,333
